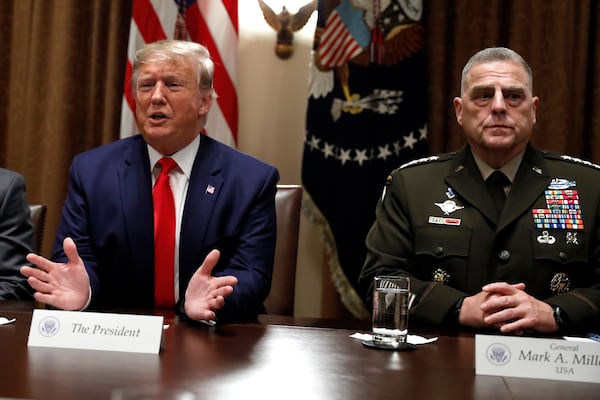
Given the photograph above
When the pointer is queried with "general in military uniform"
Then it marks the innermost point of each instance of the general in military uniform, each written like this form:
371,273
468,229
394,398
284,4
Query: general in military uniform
498,235
437,223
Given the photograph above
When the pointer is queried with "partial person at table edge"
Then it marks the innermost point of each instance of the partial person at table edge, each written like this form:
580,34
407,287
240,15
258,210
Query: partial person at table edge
526,263
223,224
16,236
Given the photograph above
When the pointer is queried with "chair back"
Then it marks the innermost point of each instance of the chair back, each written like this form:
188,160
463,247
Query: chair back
287,203
38,219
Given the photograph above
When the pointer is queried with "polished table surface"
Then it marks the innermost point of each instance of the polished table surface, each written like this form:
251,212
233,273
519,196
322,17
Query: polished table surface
277,357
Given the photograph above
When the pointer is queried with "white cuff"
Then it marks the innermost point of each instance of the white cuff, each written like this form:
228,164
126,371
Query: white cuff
89,300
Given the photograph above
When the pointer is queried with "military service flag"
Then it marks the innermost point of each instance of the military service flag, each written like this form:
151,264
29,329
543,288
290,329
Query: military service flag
366,116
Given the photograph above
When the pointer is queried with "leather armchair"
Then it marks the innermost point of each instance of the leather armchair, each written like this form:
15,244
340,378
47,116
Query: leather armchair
281,298
38,219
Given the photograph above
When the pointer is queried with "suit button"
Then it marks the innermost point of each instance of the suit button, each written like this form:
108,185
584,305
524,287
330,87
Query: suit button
504,255
439,251
562,255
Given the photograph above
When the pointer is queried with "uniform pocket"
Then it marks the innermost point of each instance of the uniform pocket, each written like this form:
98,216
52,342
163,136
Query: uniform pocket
441,242
559,246
562,261
442,254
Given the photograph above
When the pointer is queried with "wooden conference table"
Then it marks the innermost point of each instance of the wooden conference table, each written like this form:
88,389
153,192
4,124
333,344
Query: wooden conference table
276,358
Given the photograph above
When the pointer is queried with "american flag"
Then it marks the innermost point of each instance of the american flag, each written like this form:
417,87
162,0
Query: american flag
212,23
345,35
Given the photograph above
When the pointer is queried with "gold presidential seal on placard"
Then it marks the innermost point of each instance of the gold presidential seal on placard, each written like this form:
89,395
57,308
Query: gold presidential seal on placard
560,283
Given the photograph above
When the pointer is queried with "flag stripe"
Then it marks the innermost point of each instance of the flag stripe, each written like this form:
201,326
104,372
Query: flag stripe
332,30
331,36
335,43
202,19
127,91
147,21
167,12
224,33
232,9
343,49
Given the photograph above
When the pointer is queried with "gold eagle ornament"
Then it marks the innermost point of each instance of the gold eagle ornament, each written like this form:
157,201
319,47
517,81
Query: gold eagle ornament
285,24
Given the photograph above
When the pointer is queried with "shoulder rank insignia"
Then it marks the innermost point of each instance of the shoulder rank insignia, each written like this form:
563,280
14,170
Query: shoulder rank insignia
580,161
419,161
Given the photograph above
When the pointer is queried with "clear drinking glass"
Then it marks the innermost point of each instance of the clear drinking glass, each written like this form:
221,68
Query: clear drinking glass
390,310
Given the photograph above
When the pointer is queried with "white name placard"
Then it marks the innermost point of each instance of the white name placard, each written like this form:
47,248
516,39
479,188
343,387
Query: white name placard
96,331
540,358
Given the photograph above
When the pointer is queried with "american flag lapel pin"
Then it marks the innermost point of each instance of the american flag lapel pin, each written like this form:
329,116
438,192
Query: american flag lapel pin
210,189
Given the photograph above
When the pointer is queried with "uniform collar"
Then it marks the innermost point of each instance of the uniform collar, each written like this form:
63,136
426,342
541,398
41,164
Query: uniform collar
509,169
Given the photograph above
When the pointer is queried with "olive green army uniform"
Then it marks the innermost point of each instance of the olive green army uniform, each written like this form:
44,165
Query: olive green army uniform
437,222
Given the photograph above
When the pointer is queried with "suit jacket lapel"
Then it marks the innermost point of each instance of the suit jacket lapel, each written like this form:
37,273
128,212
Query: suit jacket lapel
532,178
205,185
466,181
135,185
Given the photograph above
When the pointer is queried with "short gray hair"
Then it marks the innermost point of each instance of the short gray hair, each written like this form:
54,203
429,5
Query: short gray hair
167,50
495,54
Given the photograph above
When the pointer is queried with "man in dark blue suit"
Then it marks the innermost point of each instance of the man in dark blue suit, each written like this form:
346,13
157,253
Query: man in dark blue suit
224,206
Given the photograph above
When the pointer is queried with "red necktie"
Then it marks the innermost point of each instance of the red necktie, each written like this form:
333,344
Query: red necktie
164,236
